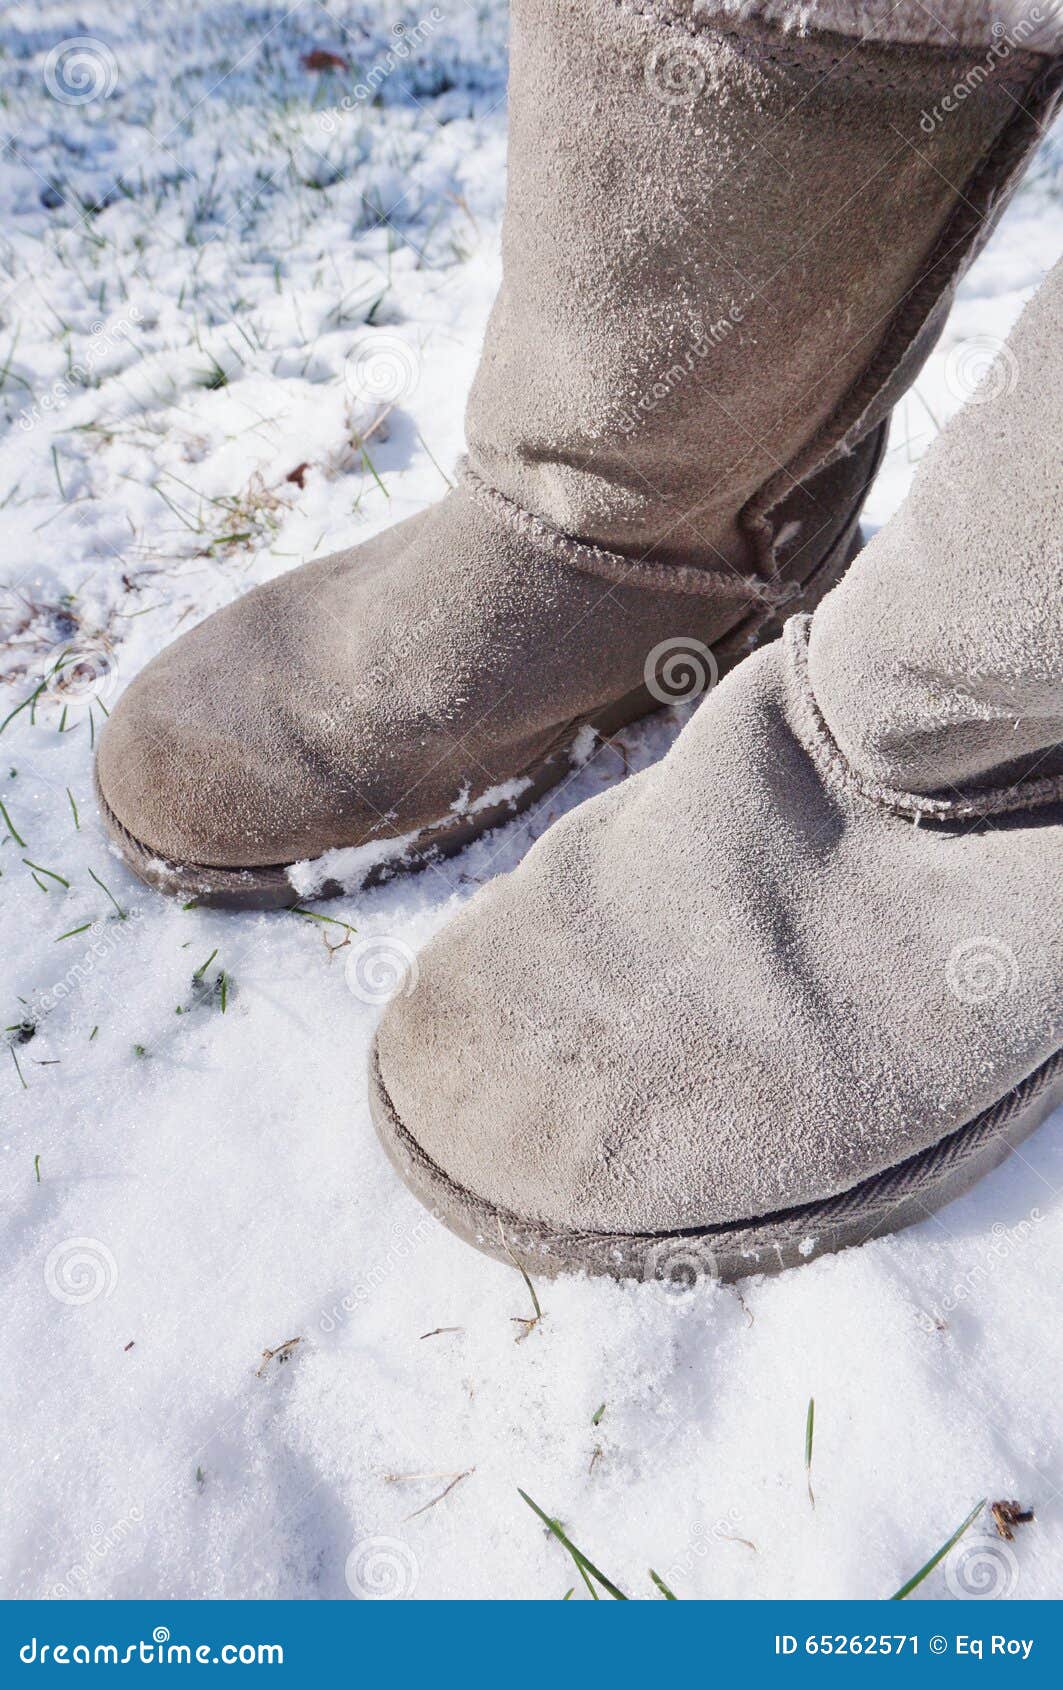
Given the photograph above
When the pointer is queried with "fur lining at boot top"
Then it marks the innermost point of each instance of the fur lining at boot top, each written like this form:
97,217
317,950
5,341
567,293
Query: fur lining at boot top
1033,25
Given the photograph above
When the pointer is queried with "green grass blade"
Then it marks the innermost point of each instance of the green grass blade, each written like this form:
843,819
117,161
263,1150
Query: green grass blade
906,1589
669,1595
594,1594
523,1274
585,1566
11,828
329,920
25,705
110,894
50,872
18,1068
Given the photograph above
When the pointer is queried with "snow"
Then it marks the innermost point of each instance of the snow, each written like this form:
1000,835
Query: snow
180,423
349,865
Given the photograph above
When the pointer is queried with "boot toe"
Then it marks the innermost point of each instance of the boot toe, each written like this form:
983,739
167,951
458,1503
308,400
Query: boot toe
522,1067
192,765
176,779
698,1007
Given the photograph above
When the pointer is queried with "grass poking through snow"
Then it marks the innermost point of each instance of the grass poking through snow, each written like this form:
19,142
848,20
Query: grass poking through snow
118,908
528,1322
917,1578
11,828
586,1567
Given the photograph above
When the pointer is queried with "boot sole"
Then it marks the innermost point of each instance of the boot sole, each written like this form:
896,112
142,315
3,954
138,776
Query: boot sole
268,886
885,1203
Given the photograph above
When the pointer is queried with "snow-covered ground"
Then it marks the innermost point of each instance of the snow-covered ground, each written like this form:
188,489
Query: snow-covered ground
212,259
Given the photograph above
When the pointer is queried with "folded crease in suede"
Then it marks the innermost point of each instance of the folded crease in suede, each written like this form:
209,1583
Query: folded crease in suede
838,772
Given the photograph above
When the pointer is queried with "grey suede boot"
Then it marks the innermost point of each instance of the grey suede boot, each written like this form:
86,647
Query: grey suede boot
728,247
802,981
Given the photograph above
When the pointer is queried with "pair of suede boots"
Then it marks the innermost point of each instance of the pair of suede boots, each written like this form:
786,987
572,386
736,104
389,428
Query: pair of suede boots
799,983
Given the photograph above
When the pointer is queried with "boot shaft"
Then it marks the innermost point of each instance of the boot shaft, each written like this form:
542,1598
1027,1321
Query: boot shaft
726,250
938,662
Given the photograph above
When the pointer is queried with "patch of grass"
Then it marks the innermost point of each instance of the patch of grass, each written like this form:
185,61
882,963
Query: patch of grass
218,990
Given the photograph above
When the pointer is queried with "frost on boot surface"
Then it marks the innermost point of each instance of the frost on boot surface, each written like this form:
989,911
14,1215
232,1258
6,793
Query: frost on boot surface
727,248
749,1006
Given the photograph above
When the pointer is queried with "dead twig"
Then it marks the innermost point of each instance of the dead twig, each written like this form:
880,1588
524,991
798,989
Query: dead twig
283,1353
529,1322
456,1480
1006,1515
